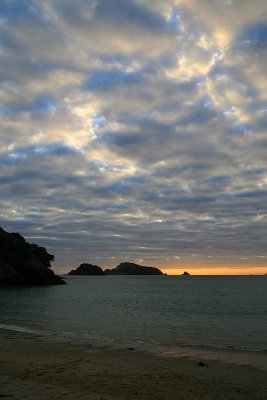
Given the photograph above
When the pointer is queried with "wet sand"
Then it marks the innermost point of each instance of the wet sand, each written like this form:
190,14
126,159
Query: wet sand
39,368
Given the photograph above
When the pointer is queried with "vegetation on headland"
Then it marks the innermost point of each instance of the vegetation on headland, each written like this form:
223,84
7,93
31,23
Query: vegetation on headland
23,263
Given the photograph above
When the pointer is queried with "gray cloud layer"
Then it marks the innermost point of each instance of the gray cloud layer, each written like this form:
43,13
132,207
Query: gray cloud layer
136,130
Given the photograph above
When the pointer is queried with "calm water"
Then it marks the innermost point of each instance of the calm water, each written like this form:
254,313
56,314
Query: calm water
220,312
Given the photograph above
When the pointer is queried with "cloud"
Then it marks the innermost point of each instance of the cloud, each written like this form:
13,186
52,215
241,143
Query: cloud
135,130
112,26
106,80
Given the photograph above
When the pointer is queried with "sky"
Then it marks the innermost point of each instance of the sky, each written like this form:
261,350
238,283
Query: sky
136,130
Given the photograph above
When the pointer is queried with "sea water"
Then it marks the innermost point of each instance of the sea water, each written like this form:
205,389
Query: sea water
204,311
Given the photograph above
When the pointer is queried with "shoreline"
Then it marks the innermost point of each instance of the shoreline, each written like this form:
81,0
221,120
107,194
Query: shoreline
256,357
37,367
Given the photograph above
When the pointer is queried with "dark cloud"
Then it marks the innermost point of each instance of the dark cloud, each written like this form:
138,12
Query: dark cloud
117,12
121,12
104,80
199,114
40,104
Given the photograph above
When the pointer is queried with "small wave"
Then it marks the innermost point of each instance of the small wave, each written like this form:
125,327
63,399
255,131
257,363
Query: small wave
59,335
220,347
22,329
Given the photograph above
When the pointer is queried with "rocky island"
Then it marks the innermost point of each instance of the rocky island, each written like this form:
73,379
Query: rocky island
125,268
185,273
23,263
87,269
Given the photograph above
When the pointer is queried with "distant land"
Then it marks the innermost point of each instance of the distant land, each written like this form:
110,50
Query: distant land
87,269
22,263
125,268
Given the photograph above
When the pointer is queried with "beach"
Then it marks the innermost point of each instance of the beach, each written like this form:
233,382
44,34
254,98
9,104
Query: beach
33,367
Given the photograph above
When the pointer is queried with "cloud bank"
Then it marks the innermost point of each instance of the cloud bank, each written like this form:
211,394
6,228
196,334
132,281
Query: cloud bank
136,130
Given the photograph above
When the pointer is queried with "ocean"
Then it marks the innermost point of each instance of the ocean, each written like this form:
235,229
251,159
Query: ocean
215,312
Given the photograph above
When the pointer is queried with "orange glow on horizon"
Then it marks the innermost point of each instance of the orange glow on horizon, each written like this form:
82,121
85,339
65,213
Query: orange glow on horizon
234,270
217,271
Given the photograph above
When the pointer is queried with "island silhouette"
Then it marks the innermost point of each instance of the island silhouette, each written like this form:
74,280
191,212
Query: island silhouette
125,268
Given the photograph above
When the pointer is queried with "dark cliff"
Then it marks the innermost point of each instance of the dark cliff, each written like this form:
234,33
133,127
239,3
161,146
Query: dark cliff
22,263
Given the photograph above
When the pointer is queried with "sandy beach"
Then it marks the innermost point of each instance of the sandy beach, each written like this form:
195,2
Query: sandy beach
39,368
